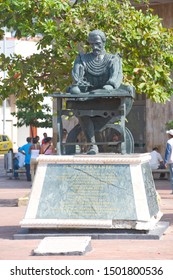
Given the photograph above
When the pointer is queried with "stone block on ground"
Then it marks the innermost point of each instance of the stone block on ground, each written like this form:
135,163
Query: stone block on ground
76,245
23,201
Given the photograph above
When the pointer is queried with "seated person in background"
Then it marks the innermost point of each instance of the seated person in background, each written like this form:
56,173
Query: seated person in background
18,162
156,161
64,135
64,138
47,148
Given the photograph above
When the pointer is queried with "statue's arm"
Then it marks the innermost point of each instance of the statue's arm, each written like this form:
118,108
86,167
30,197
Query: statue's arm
78,70
116,74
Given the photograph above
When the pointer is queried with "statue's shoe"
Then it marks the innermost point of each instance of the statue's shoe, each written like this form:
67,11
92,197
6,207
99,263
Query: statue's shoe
93,150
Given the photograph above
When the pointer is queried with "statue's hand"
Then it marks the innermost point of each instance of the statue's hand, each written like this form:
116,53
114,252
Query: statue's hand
108,87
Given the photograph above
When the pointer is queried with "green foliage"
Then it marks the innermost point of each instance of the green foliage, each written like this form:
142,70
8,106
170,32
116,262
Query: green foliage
146,46
32,112
169,125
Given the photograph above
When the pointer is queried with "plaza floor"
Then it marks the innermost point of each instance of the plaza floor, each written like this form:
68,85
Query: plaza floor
11,215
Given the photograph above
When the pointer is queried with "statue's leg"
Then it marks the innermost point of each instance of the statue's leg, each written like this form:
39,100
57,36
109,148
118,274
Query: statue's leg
99,122
72,138
88,128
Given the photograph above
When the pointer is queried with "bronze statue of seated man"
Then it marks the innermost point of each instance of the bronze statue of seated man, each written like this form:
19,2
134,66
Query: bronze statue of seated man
95,71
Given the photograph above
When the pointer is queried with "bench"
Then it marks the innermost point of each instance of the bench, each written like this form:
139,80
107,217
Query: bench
161,171
21,170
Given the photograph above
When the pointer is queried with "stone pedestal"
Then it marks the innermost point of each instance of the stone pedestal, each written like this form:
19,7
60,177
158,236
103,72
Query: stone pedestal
104,191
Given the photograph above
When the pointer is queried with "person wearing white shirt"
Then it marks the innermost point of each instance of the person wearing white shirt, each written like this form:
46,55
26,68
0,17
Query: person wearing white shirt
18,162
156,161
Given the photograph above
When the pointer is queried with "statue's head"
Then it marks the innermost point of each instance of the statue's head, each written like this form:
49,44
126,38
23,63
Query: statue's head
97,40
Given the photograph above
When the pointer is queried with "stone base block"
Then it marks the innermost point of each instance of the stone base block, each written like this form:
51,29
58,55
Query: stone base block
155,233
104,191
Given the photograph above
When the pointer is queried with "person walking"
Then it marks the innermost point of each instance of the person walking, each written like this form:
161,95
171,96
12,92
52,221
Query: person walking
25,149
168,160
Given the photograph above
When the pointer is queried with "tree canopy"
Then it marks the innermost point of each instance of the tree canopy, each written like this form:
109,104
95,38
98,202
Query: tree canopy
34,115
62,27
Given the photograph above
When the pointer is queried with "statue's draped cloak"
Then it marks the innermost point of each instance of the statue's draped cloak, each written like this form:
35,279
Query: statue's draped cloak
106,71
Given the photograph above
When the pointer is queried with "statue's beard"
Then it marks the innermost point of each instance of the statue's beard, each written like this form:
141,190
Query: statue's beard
96,52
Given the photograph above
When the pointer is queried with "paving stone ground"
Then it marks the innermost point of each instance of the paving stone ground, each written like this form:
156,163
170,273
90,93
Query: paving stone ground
11,215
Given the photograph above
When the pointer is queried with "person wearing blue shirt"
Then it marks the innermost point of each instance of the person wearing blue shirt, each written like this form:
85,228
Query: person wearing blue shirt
168,160
25,149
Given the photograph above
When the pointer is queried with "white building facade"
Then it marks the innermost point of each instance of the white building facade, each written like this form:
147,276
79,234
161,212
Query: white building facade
17,135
